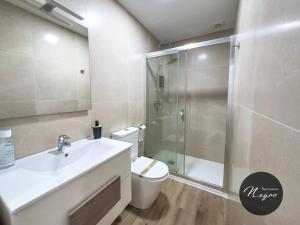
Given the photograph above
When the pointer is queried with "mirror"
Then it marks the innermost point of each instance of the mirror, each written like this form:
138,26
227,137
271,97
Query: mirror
44,62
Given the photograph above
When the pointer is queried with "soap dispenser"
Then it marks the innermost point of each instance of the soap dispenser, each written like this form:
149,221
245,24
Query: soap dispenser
7,154
97,130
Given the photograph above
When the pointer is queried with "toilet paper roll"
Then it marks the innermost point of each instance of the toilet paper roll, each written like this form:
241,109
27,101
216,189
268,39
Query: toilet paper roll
143,127
142,132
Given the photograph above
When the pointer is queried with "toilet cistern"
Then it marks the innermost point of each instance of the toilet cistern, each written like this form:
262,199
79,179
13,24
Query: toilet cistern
62,142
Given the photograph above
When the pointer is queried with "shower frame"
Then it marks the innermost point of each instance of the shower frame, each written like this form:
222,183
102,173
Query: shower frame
229,116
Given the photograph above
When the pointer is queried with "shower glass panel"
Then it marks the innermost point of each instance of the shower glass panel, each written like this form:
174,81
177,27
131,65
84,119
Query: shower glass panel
165,111
187,103
207,92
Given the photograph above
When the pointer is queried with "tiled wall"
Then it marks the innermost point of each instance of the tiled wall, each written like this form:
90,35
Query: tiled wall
207,90
266,134
40,65
116,68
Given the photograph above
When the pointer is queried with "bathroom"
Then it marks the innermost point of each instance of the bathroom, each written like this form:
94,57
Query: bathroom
149,112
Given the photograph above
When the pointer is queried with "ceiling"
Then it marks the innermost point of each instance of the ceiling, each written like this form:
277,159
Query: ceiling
173,20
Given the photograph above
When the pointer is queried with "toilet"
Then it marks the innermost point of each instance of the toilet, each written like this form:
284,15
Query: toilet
147,174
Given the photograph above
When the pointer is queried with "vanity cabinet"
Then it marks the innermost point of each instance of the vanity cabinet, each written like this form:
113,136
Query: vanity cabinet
62,205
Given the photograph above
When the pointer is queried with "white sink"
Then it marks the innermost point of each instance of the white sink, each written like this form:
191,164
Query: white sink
54,160
35,176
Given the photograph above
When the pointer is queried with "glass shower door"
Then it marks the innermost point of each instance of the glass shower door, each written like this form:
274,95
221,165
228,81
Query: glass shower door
207,99
187,109
164,139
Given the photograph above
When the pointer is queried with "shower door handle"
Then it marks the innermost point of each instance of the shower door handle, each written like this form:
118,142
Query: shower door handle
181,113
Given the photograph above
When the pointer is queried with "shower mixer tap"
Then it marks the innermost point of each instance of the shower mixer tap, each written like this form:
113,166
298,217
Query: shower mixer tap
181,113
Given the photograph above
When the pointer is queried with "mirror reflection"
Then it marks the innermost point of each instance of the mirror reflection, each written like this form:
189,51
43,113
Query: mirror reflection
44,66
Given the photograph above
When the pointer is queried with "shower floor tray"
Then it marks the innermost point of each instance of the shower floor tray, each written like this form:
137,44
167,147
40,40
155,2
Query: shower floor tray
198,169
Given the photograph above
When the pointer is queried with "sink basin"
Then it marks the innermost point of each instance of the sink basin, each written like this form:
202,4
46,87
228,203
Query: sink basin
53,161
37,175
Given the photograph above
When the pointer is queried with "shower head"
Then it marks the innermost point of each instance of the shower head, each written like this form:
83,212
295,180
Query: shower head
51,4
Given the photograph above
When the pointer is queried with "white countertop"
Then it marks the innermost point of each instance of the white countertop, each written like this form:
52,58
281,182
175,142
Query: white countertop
35,176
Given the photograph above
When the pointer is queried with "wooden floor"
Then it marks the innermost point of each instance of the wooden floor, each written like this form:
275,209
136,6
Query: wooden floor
177,204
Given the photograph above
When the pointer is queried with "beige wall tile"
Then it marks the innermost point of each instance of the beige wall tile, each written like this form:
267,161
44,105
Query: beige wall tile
38,133
84,104
17,81
15,29
260,72
136,113
112,115
208,83
266,131
136,78
279,145
203,145
52,42
242,136
82,63
17,109
55,80
261,144
110,82
56,106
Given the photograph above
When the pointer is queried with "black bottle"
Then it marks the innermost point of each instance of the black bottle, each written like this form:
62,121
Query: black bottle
97,130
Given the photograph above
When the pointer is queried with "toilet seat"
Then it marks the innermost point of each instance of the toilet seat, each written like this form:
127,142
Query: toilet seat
159,171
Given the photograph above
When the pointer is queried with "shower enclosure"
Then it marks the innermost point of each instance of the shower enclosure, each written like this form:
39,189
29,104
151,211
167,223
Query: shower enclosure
187,106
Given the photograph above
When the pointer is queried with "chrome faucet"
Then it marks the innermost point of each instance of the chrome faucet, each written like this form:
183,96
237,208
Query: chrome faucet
63,143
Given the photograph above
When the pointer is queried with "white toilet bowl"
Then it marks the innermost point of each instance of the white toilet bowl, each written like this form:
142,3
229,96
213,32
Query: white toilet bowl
146,188
147,174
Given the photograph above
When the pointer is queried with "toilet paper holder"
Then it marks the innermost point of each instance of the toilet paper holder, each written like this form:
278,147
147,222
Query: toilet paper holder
142,128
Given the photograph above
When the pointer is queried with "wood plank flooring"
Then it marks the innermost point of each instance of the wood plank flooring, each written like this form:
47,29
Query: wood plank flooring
177,204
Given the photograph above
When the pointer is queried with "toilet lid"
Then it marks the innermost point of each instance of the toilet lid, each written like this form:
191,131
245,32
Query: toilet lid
158,171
